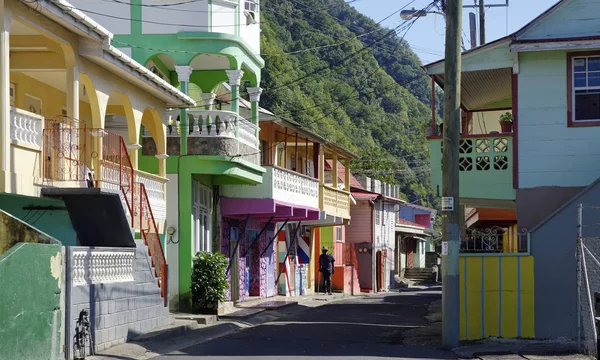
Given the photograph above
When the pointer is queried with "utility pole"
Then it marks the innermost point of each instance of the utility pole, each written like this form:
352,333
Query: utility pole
481,22
451,219
473,29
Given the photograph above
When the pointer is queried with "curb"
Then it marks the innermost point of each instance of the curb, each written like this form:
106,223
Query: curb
167,332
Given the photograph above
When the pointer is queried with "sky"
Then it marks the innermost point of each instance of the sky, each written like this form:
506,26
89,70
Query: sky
427,35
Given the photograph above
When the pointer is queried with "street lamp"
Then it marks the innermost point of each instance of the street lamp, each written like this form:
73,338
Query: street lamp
413,13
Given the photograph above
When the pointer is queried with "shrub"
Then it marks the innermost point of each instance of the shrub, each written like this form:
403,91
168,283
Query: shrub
209,281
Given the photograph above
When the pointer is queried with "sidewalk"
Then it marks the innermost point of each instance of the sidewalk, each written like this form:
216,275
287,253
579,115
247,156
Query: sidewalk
189,333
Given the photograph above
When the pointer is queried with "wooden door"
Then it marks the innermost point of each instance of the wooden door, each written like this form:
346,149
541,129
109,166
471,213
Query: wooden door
410,252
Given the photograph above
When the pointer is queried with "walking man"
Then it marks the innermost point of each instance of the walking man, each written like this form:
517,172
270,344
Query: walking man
326,268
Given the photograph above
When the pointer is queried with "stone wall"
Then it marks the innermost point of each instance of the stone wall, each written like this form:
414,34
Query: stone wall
119,291
197,145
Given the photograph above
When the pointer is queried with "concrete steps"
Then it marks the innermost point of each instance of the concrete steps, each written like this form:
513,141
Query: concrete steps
417,275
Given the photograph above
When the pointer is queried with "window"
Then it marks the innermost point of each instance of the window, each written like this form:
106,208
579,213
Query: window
338,233
584,81
201,217
13,95
377,217
250,10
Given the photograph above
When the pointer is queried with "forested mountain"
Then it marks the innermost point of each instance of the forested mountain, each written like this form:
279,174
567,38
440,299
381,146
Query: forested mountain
362,87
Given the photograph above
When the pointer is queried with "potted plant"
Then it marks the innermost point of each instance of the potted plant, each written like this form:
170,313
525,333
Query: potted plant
209,282
506,122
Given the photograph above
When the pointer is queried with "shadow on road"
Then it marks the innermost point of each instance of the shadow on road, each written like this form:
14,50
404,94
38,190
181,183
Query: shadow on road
389,326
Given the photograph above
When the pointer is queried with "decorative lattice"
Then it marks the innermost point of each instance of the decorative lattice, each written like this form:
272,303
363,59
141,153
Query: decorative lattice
466,164
501,145
482,146
466,146
500,163
482,163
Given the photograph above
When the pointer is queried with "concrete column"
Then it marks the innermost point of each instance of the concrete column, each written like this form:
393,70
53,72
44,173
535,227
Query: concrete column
73,93
5,167
255,93
235,78
208,99
183,74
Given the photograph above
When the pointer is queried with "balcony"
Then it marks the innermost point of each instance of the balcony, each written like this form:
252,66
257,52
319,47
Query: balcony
211,132
26,128
486,168
291,192
335,202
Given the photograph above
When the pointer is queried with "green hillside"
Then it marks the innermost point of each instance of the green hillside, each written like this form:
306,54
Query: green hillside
366,93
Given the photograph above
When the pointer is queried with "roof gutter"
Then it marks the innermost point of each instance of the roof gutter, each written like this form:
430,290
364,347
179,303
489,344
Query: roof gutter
106,37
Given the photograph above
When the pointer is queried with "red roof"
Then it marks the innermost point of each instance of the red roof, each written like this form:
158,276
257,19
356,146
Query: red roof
341,174
364,195
407,222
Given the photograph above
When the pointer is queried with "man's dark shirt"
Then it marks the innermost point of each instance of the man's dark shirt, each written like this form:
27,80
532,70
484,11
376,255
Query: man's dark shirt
326,263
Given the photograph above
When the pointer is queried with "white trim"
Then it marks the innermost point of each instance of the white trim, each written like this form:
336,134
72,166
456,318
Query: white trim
557,45
515,63
587,87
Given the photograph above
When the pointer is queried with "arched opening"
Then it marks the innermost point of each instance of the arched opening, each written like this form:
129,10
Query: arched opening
153,126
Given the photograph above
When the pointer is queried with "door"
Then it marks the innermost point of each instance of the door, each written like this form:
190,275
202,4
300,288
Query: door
380,271
252,263
410,252
271,268
234,272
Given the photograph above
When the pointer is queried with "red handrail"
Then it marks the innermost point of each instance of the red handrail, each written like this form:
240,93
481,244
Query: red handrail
68,150
150,234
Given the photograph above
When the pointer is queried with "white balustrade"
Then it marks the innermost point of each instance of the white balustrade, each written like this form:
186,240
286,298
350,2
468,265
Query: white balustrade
94,266
155,190
295,188
26,127
214,123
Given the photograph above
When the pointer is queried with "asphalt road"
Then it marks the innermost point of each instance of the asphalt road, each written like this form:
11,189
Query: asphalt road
389,326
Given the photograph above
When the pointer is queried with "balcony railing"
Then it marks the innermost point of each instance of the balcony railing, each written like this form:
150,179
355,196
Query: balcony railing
335,202
485,164
495,240
283,185
155,188
215,123
26,128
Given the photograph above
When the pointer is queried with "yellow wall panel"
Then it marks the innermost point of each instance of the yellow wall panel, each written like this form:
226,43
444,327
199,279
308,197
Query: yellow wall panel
510,307
491,295
496,296
462,284
527,296
474,292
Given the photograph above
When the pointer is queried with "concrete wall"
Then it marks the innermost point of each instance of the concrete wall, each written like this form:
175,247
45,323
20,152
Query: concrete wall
551,241
118,309
31,297
55,223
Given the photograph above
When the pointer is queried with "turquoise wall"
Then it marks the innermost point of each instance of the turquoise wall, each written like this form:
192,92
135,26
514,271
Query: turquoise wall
31,276
578,18
55,223
550,153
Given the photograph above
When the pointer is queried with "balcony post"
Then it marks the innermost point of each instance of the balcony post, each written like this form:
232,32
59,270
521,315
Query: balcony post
254,93
183,74
347,175
334,171
235,79
6,19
